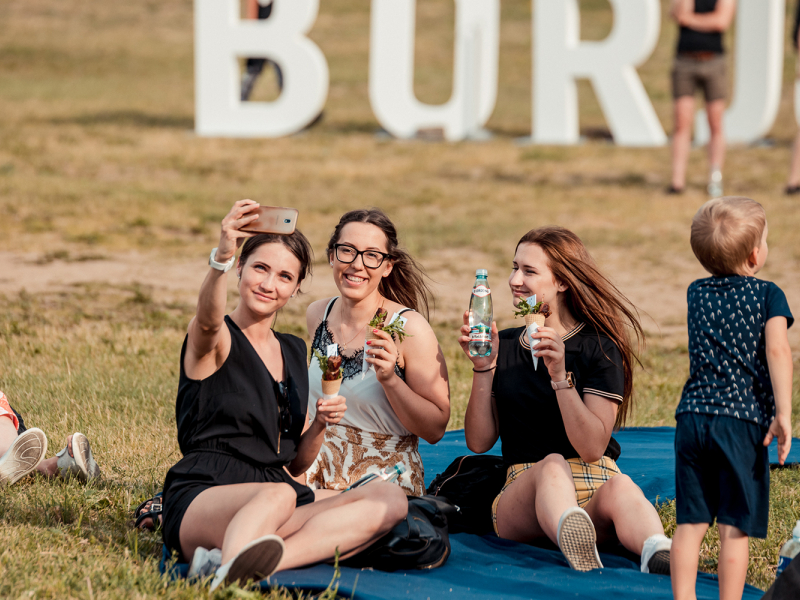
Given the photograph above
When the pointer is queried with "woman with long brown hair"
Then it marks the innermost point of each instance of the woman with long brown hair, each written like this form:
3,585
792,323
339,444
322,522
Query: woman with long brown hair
242,422
399,392
555,419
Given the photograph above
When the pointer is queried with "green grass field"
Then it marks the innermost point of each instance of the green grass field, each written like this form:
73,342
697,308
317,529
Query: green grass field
109,206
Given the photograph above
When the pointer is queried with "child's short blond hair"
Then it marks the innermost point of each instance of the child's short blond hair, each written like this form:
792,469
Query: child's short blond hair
725,231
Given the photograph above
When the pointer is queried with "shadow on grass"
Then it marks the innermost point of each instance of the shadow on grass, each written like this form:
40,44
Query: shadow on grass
128,118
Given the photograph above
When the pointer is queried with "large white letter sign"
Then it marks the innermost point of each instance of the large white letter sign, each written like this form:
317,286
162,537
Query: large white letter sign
221,37
391,69
559,58
758,73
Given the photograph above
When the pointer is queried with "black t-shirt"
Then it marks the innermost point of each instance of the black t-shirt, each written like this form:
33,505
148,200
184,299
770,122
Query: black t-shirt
691,40
531,425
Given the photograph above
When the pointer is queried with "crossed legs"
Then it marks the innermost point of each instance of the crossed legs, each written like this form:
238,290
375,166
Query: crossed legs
229,517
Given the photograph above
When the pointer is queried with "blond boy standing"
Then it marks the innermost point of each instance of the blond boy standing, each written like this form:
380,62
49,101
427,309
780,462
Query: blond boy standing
737,398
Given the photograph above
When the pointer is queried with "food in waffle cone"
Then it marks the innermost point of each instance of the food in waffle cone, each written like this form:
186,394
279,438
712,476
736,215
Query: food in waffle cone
533,311
330,387
537,318
331,367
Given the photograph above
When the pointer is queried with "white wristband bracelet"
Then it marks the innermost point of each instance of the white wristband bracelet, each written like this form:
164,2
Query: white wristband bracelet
224,267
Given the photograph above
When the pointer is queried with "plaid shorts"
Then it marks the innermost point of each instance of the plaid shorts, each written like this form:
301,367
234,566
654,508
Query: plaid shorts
587,477
7,411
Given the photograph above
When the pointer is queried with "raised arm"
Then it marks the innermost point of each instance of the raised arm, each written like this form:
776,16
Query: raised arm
481,427
422,401
717,20
779,361
206,331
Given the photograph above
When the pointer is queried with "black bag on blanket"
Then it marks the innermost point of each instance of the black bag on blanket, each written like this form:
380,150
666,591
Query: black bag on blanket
420,541
471,482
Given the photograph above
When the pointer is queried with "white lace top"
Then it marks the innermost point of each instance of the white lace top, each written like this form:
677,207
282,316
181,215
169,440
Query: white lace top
368,407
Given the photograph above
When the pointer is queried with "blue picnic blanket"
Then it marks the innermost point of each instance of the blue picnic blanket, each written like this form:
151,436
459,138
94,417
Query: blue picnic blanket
493,568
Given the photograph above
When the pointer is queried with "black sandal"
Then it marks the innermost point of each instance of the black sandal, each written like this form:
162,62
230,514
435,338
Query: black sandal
156,508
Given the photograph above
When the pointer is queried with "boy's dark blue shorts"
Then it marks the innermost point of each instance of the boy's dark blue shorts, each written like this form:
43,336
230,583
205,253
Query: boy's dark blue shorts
722,472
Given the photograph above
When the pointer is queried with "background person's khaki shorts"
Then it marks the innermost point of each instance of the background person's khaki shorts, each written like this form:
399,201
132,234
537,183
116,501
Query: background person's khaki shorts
709,74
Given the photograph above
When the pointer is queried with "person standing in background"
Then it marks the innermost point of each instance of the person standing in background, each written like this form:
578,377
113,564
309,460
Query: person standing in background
700,61
793,185
258,9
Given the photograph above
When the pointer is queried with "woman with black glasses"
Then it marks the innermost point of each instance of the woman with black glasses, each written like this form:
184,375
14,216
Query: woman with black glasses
242,423
399,392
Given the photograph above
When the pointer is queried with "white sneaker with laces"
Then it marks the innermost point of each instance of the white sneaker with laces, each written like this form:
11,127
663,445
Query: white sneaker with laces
257,560
23,456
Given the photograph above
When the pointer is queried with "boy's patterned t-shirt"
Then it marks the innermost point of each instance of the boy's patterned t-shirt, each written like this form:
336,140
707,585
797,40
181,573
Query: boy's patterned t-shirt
729,374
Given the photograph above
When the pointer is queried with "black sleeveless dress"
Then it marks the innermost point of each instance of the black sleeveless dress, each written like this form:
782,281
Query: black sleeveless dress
230,428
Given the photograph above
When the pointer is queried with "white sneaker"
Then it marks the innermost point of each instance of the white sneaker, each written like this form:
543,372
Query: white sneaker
577,540
205,563
81,465
23,456
656,554
257,560
715,184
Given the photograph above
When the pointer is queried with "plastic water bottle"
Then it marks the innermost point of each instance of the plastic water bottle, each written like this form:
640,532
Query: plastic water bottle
386,473
391,473
789,550
480,316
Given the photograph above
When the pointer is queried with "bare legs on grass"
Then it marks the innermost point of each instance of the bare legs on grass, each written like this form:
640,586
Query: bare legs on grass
734,555
682,142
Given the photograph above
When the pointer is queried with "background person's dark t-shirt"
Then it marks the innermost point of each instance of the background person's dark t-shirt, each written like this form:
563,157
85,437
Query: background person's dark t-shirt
690,40
531,425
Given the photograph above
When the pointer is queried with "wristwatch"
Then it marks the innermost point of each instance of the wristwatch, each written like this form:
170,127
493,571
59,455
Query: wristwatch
224,267
569,382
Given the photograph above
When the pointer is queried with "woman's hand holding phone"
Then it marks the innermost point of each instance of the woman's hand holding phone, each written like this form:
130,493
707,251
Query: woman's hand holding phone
231,237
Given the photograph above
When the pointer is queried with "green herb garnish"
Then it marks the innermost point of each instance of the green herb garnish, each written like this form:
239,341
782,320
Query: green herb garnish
523,308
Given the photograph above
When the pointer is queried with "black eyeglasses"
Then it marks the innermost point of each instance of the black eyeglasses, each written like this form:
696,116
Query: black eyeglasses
372,259
282,394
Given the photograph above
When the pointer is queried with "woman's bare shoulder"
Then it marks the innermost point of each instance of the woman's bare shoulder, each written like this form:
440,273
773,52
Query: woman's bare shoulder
317,308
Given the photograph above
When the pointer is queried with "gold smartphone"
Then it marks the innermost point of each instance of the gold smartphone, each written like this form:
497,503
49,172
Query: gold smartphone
273,219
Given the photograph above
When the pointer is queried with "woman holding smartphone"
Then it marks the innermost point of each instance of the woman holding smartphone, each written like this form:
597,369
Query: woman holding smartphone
400,392
242,417
556,419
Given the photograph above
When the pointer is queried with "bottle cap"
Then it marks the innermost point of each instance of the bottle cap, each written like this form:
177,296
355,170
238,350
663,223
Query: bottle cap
481,273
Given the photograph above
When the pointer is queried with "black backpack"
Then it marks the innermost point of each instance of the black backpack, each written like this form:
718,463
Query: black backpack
420,541
471,483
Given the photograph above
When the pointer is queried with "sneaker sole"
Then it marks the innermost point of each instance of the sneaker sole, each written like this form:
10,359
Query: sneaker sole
659,563
578,542
27,451
257,562
82,454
